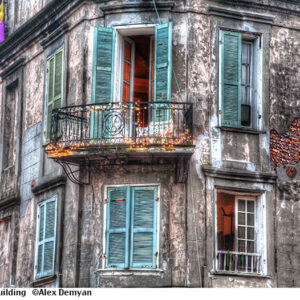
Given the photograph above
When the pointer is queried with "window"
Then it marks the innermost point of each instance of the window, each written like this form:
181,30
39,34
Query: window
46,238
131,227
132,65
240,234
239,66
10,126
54,88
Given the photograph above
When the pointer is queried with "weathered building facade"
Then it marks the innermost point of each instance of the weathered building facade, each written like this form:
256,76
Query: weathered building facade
150,143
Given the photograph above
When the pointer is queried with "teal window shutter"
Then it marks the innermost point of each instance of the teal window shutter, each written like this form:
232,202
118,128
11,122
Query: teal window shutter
163,71
46,238
117,227
103,78
54,87
231,51
143,227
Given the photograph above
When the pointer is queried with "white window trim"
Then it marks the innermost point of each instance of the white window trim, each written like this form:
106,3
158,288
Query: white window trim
121,33
122,271
260,224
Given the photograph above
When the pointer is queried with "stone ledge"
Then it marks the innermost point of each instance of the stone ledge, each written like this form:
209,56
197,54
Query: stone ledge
111,7
240,15
228,274
233,174
46,183
12,68
132,272
43,281
10,201
241,130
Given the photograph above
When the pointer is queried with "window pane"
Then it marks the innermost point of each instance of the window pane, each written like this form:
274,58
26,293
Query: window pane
241,232
241,246
250,219
250,233
241,219
250,206
241,205
250,247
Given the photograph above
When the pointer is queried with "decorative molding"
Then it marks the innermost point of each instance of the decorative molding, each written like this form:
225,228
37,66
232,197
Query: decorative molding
55,35
42,24
240,15
276,7
241,130
12,68
239,175
43,281
45,184
10,201
111,7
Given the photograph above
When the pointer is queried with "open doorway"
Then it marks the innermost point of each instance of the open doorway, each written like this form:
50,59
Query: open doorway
138,75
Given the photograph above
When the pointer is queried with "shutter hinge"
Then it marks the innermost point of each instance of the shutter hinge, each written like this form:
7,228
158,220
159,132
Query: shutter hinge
106,200
156,253
157,199
220,112
221,43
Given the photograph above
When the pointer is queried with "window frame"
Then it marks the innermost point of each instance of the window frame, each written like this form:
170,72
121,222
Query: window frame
105,215
256,38
261,228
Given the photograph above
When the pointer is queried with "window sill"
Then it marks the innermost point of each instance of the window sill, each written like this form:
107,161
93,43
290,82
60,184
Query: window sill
239,274
44,280
241,130
131,272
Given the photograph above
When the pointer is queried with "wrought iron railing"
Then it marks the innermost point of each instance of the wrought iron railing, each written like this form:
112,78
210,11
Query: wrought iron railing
238,262
137,124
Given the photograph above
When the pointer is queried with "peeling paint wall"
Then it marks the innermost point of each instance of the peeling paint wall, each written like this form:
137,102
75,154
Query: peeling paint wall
186,210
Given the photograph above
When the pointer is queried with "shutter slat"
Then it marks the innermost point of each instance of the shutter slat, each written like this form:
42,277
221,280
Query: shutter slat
143,227
117,227
58,74
163,70
231,78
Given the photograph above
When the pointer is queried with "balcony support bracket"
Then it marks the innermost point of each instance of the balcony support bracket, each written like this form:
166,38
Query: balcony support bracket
74,174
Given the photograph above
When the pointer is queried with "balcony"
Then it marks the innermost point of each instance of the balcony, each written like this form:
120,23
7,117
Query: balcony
138,129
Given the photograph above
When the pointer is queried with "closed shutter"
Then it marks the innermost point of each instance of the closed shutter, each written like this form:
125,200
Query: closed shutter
103,74
143,227
54,86
46,238
231,78
163,71
117,227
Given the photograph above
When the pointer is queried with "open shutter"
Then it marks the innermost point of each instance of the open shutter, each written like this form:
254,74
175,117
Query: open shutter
143,227
231,78
103,75
163,71
117,229
54,86
46,239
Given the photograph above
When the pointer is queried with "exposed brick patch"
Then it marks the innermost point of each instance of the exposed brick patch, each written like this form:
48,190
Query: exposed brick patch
285,149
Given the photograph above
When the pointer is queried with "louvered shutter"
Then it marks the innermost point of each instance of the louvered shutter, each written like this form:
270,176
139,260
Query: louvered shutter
143,227
103,75
117,229
46,239
54,86
163,71
231,78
